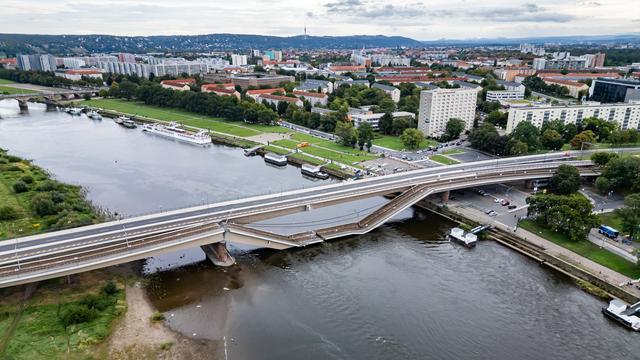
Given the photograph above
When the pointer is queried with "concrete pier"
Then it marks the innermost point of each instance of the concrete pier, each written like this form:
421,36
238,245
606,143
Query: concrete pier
218,254
444,196
24,106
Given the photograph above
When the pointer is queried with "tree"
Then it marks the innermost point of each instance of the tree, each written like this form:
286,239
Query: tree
365,134
497,118
623,173
583,140
453,129
486,138
43,205
601,128
601,158
551,139
603,184
517,147
385,124
565,181
411,138
347,134
400,124
630,214
570,215
528,134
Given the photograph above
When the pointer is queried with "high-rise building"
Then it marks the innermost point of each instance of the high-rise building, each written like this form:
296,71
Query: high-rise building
613,90
438,106
126,58
627,116
44,62
238,60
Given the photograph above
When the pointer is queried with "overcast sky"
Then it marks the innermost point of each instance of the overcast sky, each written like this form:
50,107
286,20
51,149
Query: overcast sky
418,19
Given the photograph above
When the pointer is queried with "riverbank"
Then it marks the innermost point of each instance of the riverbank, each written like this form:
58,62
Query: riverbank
583,270
242,135
32,202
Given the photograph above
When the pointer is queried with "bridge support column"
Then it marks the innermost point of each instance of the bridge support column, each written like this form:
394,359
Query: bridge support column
51,106
528,184
444,196
23,105
218,254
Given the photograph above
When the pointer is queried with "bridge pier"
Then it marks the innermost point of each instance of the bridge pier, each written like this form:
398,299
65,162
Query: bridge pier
444,196
528,184
218,254
24,106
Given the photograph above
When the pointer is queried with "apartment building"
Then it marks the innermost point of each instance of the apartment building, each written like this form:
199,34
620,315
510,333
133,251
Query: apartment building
438,106
626,115
498,95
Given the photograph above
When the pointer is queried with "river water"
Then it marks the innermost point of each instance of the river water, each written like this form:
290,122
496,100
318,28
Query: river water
396,293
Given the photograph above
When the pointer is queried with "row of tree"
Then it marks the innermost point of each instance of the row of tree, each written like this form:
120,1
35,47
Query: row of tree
227,107
553,135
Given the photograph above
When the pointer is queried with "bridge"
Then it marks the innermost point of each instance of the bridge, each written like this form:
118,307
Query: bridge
50,95
211,226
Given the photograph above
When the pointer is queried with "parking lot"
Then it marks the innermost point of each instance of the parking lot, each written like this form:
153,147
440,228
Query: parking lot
505,203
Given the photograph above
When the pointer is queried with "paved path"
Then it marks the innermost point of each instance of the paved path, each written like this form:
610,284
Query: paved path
553,249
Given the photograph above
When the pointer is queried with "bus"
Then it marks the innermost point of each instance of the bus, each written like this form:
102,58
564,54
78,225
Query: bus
608,231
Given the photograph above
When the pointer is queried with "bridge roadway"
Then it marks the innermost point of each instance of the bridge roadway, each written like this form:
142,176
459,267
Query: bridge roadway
70,251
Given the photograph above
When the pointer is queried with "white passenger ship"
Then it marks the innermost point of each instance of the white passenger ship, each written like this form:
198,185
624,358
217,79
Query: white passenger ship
174,131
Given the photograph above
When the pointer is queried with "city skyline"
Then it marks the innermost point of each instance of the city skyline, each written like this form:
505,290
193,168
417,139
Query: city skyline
420,20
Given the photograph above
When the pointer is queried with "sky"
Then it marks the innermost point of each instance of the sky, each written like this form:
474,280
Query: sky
418,19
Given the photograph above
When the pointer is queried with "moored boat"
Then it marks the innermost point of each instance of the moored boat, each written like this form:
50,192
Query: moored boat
94,115
457,235
74,111
313,171
627,315
174,131
275,159
120,119
130,124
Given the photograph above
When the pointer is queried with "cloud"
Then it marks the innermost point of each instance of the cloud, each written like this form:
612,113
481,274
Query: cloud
525,13
374,9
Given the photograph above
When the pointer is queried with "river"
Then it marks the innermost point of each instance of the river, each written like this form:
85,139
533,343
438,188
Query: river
396,293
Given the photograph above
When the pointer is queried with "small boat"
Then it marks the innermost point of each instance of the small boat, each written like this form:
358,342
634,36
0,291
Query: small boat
94,115
313,171
468,240
74,111
129,124
120,119
627,315
174,131
275,159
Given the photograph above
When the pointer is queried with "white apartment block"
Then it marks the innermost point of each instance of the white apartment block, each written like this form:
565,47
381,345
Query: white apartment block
238,60
374,119
626,115
497,95
438,106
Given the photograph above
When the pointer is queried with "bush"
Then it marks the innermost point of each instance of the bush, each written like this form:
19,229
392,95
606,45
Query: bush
110,288
43,205
14,168
48,185
28,179
8,212
57,197
13,159
20,187
96,302
157,316
77,314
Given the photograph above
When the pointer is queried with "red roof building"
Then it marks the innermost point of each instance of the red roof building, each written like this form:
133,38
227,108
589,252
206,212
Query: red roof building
179,84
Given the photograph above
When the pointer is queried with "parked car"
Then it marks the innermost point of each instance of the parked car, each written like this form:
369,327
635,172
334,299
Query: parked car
511,207
505,202
493,213
488,211
497,200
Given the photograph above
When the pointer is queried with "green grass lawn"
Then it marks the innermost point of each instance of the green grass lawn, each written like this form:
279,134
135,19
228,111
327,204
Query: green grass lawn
443,160
394,142
308,159
276,150
610,219
236,128
327,149
40,332
328,144
586,249
8,90
453,152
4,81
